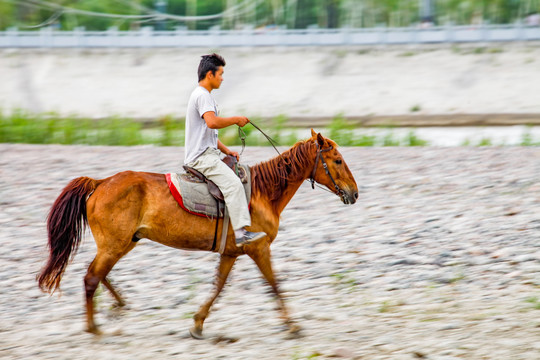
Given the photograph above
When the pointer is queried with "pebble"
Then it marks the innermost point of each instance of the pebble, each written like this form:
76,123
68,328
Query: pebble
344,353
442,245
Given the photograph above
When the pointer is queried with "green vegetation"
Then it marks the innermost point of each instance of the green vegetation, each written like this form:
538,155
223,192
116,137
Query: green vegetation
341,131
415,108
385,307
390,306
299,355
297,14
475,50
344,280
413,140
534,301
528,140
187,315
456,278
51,128
407,54
22,127
485,142
171,131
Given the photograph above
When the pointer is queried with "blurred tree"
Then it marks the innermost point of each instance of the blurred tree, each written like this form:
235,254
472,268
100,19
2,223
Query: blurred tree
306,14
7,12
100,6
277,12
332,13
290,13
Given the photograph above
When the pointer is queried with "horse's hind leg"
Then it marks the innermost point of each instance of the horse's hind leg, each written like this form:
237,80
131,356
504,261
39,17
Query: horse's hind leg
225,265
98,270
260,253
119,301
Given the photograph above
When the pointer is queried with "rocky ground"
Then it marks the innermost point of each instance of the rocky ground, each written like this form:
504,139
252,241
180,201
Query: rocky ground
439,259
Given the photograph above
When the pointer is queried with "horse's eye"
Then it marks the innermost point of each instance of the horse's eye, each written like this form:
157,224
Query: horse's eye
338,162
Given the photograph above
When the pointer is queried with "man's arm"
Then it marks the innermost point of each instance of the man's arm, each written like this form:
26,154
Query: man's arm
217,122
227,151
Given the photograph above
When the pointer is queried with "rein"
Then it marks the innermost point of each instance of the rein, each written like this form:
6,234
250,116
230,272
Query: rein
242,136
272,142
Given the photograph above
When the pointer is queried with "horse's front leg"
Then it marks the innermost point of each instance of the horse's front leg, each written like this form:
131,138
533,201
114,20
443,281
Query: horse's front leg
225,265
260,253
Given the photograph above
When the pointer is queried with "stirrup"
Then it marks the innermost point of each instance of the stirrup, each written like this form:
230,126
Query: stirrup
248,238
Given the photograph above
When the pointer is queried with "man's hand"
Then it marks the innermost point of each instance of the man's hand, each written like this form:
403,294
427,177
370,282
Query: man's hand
227,151
235,154
216,122
242,121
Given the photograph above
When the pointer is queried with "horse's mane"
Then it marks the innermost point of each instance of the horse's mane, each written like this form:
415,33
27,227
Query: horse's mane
271,177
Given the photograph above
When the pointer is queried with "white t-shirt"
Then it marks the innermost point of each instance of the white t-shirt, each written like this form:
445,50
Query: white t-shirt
199,136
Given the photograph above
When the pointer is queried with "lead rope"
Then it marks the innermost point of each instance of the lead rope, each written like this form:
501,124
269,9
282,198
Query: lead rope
242,136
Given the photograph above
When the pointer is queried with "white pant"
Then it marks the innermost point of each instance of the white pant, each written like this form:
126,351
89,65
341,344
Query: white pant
210,165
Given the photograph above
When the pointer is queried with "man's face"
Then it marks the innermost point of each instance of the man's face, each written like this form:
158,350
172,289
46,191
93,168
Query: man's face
217,78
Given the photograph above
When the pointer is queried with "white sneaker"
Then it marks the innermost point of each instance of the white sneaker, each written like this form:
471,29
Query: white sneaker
248,237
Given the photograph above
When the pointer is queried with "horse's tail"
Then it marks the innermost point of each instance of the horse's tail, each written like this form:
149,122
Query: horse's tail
66,223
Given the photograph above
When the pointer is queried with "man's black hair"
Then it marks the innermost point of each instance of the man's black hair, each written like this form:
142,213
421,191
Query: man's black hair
209,63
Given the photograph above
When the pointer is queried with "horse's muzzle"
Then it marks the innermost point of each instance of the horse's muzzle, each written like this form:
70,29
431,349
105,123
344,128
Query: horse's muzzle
348,197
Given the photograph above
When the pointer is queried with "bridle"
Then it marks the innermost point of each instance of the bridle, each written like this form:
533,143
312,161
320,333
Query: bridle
320,150
339,191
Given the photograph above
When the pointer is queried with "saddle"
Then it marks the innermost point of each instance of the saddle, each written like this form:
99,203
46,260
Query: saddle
189,191
212,188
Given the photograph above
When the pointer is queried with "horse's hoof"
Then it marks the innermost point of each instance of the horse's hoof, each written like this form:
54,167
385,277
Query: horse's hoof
226,339
94,330
196,333
294,332
117,310
119,305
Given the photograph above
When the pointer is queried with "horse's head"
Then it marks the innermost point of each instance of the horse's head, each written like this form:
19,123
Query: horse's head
331,170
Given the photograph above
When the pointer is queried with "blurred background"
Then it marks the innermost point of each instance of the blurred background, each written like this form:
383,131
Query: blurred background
439,259
101,70
235,14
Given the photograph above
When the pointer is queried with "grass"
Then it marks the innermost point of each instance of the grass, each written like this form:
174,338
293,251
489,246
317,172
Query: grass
299,355
407,54
476,50
389,306
344,280
51,128
534,301
187,315
413,140
21,127
385,307
456,278
415,108
527,138
485,142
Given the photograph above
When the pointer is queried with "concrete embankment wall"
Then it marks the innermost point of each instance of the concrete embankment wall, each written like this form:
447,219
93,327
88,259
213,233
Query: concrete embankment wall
368,84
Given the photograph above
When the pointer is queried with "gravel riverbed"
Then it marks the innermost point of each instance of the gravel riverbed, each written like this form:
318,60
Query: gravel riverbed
439,259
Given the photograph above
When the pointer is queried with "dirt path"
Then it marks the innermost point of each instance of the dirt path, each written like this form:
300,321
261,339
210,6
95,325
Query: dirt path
440,259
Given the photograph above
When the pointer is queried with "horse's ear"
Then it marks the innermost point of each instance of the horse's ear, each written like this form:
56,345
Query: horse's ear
320,140
313,133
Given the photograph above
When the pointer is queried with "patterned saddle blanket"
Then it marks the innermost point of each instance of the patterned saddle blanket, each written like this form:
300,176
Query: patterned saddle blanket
193,195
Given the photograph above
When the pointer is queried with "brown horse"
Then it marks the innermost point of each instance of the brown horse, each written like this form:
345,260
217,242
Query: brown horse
130,206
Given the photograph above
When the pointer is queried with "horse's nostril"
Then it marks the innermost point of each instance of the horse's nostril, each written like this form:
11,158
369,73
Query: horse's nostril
356,195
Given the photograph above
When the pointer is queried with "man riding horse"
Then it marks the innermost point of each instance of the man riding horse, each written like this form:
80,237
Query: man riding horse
130,206
203,148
